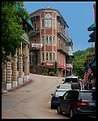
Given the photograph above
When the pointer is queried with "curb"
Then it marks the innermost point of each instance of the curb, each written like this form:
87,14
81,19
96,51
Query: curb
19,86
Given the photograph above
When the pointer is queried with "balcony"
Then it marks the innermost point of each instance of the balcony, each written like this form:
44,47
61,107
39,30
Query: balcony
62,33
63,49
70,51
34,32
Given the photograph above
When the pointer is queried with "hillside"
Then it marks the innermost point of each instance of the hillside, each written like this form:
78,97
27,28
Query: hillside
79,59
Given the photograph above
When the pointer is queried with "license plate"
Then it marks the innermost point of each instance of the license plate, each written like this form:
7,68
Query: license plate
92,104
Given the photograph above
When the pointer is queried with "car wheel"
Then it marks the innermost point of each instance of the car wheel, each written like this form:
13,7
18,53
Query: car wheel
59,110
71,114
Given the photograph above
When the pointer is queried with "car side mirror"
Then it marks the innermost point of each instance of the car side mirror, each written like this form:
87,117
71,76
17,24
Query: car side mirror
52,94
57,86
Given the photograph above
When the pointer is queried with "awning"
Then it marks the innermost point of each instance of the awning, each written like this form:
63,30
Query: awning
93,64
92,34
49,65
91,40
60,66
92,27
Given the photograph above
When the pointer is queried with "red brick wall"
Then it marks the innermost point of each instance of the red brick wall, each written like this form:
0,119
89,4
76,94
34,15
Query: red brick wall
49,31
48,48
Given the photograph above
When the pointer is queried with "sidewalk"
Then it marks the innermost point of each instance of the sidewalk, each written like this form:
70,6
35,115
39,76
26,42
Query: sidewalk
18,86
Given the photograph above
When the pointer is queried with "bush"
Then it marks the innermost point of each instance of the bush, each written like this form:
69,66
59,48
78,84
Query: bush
51,73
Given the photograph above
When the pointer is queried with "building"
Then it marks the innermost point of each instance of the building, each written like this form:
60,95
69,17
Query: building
15,72
50,42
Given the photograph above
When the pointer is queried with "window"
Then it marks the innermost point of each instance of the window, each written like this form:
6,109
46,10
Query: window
42,39
73,95
42,56
50,40
49,23
46,55
50,55
42,23
48,20
46,39
35,26
53,56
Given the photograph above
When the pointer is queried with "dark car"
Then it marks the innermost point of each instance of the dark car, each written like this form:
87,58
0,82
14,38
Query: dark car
77,103
55,98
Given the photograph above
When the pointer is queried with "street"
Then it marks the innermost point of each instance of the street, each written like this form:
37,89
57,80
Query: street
32,101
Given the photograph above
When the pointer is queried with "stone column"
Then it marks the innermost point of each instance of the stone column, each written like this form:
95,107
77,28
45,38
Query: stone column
26,63
3,76
14,70
20,77
8,74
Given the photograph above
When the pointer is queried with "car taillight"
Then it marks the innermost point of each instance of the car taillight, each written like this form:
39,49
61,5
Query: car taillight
82,103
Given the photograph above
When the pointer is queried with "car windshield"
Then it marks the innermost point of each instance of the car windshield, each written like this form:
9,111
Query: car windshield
71,79
65,86
59,93
88,95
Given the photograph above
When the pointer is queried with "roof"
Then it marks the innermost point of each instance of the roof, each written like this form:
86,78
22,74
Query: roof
49,8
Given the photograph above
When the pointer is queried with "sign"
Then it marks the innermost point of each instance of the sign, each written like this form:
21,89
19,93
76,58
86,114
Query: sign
36,45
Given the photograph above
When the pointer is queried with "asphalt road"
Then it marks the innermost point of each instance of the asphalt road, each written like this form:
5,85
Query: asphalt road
32,101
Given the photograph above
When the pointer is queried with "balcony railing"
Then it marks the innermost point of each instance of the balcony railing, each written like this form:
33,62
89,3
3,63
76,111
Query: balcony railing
34,32
62,32
63,49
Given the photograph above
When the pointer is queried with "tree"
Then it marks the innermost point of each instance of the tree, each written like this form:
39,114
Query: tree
79,59
11,28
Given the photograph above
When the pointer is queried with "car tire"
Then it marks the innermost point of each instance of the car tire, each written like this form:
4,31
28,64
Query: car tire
71,113
59,110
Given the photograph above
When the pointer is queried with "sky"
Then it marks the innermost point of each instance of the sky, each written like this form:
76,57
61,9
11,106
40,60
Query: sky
78,15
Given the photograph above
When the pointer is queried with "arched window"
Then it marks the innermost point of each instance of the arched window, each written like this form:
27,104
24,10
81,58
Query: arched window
48,20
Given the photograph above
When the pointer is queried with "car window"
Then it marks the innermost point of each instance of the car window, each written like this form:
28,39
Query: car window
57,94
87,96
65,86
71,79
73,95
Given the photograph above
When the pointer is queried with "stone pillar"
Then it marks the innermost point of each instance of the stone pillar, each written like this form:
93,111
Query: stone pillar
20,78
3,76
26,63
8,74
14,70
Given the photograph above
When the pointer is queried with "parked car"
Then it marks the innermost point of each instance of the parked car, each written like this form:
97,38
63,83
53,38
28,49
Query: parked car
60,91
74,80
77,103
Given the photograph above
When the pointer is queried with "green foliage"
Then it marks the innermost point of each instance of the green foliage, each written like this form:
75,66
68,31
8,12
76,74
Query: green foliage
78,62
44,71
51,73
11,28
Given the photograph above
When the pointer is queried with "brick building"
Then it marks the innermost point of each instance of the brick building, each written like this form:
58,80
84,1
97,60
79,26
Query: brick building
50,41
